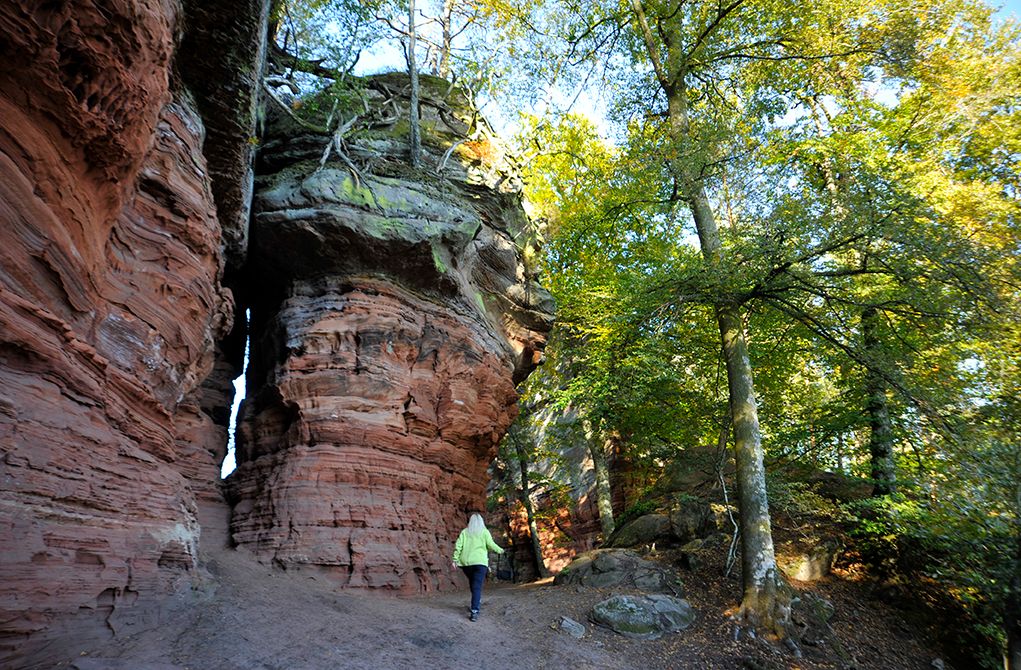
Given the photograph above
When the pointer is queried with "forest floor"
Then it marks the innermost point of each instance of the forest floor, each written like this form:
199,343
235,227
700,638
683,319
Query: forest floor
247,616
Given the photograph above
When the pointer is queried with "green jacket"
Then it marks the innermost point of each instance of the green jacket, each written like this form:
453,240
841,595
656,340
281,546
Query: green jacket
474,549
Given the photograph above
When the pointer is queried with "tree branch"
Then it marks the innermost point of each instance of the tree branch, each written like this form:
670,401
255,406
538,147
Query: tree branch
650,44
301,65
820,329
721,13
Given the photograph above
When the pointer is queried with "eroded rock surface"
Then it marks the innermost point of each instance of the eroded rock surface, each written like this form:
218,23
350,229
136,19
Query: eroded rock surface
687,519
619,568
110,308
395,314
643,617
565,531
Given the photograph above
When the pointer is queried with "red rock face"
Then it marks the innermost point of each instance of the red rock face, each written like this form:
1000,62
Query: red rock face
563,533
567,523
372,436
109,304
83,85
383,377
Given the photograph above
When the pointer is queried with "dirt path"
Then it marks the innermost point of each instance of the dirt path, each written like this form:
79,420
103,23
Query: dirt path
246,616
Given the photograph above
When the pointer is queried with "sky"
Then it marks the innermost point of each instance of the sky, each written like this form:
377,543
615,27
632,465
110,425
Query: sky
229,463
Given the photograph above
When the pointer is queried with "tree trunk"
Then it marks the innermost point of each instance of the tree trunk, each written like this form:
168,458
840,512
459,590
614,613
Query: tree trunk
445,20
1012,608
413,122
604,494
526,500
766,596
840,452
884,471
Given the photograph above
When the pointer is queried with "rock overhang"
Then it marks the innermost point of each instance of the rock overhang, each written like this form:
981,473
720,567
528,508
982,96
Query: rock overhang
454,228
395,308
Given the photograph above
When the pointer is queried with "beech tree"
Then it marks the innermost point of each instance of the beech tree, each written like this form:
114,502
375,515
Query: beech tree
415,138
709,95
924,264
676,52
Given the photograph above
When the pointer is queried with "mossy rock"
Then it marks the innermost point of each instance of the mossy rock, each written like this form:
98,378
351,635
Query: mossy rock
813,562
646,529
643,617
691,518
619,568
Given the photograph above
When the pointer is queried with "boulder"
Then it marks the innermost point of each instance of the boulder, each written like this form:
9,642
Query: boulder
812,562
691,518
394,311
643,617
571,627
689,557
645,530
619,568
810,620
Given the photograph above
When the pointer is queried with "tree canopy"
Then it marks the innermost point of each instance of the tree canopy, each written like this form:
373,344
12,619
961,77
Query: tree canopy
858,163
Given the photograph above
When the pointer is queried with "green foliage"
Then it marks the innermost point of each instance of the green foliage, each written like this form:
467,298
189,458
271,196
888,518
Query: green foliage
957,561
798,500
543,461
859,157
328,32
639,508
623,361
333,101
954,532
683,498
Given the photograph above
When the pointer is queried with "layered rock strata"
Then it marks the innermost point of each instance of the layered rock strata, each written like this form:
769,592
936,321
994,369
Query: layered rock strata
110,308
397,313
393,312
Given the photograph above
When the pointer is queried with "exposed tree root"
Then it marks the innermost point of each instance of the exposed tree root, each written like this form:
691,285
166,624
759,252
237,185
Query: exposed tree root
766,614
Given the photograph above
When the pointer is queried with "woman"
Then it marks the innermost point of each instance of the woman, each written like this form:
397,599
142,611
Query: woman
471,554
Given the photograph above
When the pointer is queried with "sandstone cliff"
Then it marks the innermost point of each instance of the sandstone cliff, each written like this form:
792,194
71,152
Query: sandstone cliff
393,312
111,304
562,483
392,315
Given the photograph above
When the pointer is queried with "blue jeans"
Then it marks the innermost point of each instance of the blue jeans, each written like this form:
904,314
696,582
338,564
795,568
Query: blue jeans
476,575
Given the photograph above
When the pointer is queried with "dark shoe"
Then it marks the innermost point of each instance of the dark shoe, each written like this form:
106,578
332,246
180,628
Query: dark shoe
474,616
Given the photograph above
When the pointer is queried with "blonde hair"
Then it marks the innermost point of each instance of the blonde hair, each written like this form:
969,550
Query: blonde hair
475,524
